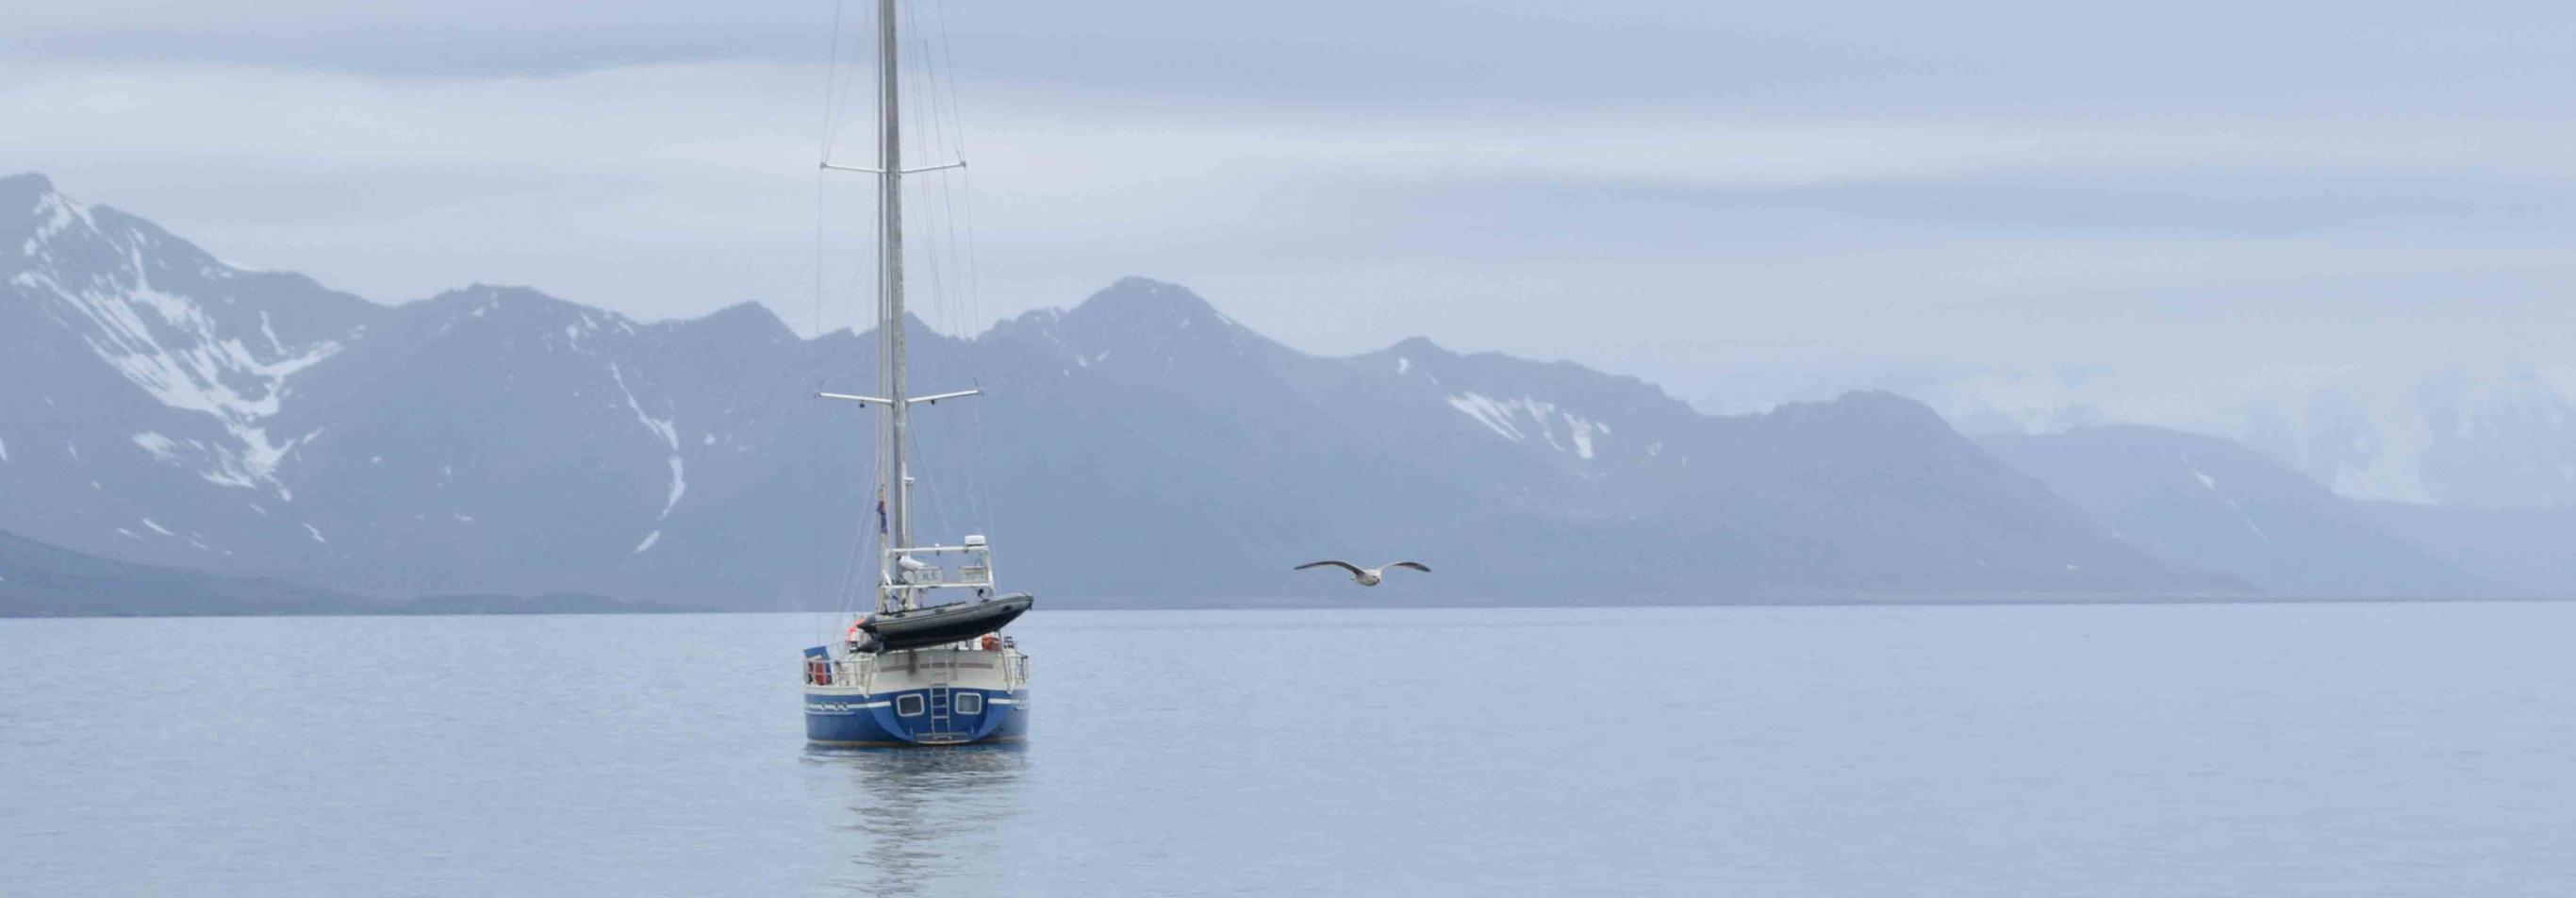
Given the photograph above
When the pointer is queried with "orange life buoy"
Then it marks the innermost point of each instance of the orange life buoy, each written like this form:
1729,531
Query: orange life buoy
992,643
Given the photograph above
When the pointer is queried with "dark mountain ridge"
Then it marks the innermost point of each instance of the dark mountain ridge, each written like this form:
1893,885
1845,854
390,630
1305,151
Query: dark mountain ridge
166,409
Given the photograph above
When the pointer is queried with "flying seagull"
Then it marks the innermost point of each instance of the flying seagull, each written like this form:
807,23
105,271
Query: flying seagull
1367,576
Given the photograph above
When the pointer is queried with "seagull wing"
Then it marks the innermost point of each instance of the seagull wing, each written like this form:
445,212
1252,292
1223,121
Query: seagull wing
1413,565
1344,565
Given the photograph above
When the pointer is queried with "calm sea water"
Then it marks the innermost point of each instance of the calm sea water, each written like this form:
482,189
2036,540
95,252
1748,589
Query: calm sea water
2378,749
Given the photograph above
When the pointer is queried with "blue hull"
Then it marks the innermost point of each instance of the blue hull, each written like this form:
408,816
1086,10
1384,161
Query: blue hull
933,716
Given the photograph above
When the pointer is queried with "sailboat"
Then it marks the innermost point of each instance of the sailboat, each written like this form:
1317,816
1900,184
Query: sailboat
919,669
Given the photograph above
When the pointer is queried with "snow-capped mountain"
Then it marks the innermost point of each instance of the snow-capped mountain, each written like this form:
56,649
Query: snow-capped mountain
143,377
162,407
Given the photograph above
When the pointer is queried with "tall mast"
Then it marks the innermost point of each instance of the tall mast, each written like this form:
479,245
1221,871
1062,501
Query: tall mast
890,292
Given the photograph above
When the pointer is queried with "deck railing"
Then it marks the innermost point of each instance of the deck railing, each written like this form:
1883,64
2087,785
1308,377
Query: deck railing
861,672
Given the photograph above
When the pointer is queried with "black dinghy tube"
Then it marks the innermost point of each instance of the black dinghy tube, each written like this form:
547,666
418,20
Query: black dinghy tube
937,624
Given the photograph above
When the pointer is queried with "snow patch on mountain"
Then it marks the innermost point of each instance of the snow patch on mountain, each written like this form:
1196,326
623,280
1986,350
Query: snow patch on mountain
1582,431
1518,419
2211,484
161,447
166,344
679,486
670,435
60,214
269,329
1496,416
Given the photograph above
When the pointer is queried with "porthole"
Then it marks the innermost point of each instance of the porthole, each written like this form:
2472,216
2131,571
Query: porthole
970,703
907,705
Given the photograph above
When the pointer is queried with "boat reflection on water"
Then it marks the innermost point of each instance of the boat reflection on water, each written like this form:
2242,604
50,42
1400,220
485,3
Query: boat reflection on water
924,822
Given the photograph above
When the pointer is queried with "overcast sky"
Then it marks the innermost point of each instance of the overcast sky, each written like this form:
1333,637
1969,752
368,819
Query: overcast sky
1683,190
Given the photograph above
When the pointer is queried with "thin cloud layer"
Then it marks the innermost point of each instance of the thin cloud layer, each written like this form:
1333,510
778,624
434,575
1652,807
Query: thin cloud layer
1670,189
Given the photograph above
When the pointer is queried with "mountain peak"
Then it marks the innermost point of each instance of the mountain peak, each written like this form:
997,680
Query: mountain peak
1421,346
26,184
1137,300
747,316
31,211
480,290
523,305
497,295
1871,410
